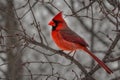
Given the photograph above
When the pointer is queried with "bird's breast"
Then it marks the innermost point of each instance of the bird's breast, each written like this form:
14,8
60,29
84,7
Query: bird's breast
63,44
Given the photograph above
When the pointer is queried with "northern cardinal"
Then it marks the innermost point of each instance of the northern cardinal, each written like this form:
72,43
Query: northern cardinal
66,39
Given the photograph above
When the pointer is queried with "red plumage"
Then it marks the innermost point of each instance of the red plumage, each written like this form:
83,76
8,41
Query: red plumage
68,40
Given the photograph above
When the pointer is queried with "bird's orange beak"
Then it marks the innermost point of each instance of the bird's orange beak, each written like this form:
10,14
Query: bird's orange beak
51,23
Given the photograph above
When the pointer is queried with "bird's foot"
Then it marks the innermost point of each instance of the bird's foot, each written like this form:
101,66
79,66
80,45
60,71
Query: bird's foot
60,50
72,52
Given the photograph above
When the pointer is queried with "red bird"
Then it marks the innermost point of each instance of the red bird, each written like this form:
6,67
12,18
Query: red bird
68,40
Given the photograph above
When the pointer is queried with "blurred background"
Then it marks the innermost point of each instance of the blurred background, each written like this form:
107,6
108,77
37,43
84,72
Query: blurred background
27,51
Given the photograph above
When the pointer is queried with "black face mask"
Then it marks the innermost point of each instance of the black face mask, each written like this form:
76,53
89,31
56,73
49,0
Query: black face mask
56,24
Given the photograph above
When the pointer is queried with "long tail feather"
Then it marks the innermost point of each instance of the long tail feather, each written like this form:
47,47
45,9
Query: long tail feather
102,64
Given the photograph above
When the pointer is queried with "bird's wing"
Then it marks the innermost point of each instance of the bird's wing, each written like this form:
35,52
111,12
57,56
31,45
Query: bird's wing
71,36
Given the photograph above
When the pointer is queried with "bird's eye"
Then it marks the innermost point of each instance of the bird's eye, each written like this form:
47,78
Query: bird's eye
56,22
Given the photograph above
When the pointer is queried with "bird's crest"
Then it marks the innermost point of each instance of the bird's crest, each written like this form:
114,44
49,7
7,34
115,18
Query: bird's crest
58,16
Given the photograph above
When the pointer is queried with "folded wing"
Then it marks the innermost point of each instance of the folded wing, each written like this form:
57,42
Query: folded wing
71,36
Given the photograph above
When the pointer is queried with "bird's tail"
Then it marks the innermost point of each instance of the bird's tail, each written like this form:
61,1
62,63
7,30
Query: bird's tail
102,64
